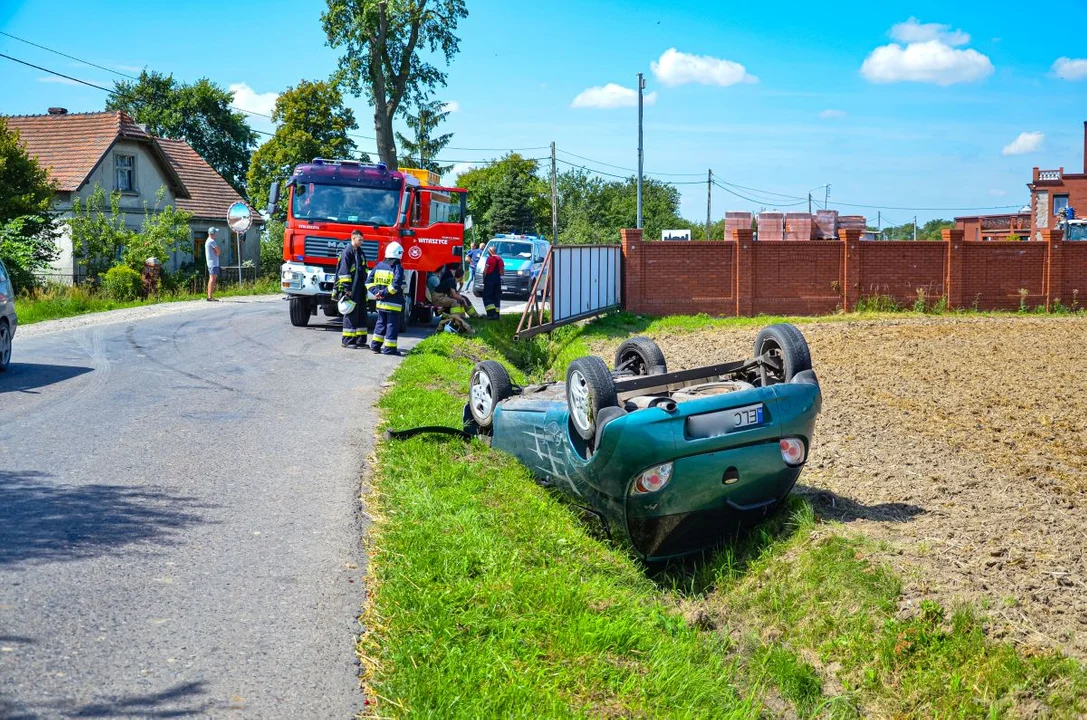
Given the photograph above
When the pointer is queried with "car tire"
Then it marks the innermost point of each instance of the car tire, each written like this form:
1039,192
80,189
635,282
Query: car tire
643,356
490,384
589,388
407,312
786,342
423,315
5,345
300,311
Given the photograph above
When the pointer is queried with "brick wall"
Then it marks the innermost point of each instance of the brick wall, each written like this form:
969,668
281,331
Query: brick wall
742,277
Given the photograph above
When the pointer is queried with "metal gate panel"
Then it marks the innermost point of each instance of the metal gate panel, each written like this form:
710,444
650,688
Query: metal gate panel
577,282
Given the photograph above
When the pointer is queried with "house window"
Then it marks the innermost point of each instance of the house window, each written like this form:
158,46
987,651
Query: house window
1060,202
125,168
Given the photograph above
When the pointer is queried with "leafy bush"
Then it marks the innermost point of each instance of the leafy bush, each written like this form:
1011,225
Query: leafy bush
271,249
122,283
877,303
164,231
27,247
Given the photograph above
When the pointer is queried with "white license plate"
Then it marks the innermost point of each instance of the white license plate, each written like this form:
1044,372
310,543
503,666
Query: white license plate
748,416
330,278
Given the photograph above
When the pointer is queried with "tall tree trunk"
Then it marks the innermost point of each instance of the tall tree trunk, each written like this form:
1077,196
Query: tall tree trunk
386,141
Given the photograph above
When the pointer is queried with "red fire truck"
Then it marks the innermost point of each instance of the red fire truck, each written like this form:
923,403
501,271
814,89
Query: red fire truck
327,199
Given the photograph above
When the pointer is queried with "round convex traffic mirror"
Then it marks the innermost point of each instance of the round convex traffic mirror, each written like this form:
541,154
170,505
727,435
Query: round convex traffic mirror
239,217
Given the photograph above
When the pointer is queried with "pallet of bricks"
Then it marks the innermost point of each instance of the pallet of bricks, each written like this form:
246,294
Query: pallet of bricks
798,226
771,227
825,226
736,221
852,222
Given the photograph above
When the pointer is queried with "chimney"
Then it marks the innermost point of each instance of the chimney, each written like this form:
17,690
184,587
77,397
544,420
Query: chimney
64,111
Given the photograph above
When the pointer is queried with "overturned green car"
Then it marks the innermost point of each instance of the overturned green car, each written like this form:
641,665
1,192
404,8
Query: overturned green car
673,463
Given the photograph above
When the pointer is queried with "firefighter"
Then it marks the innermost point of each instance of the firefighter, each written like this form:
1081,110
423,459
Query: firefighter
351,292
386,281
492,282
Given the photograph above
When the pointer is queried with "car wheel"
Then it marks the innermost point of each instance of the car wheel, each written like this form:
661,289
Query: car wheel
784,343
641,356
490,385
5,345
589,388
300,311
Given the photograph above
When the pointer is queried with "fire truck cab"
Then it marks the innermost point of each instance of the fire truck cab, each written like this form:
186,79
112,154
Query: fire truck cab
327,199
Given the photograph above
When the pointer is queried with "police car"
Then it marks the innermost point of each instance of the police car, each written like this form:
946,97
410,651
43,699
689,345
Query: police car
523,256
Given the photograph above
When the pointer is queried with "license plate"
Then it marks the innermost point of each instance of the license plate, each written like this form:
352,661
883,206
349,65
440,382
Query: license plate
748,416
330,278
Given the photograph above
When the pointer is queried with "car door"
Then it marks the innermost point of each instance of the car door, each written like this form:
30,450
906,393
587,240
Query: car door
7,296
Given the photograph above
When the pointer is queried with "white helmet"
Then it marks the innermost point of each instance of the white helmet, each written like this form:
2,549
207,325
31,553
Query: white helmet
346,305
394,251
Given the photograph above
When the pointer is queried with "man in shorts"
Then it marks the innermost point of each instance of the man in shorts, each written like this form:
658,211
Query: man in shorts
211,254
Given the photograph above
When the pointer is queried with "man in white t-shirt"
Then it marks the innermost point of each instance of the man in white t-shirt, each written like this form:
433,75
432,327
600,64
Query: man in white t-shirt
211,253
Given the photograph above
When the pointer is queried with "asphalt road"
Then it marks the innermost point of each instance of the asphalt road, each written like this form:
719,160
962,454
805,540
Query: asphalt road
180,521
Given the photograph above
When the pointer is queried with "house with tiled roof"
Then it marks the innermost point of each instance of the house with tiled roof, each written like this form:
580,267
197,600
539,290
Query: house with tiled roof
109,149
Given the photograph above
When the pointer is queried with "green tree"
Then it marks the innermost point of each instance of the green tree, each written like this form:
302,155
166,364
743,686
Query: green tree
312,122
383,44
932,230
421,150
486,184
99,233
200,114
164,231
511,207
27,223
660,207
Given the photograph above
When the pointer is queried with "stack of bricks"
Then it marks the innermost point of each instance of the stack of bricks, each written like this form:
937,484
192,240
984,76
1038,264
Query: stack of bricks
852,222
771,227
736,221
798,226
825,226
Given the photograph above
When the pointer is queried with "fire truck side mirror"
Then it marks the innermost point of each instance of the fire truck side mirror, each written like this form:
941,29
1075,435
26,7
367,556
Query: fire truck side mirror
273,197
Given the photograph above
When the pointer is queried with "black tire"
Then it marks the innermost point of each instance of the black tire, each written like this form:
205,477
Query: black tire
423,315
589,388
5,342
489,385
477,293
407,313
300,311
642,356
786,343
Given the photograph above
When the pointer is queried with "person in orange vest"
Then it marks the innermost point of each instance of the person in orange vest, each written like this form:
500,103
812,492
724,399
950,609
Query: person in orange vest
492,282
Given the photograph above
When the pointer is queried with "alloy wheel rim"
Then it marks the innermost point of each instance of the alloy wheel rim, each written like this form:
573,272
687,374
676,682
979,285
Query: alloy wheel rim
482,396
579,399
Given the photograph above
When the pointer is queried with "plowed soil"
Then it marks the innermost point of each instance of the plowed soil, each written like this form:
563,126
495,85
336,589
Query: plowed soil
961,444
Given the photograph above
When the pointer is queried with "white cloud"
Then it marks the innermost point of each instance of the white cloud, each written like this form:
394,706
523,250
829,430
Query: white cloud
1069,69
451,107
249,99
931,61
57,80
912,31
1027,142
611,96
998,193
129,68
832,114
677,68
458,169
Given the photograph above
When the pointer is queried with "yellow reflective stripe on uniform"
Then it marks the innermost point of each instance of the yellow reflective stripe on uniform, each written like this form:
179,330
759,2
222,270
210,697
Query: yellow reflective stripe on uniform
489,307
390,343
395,307
456,310
379,338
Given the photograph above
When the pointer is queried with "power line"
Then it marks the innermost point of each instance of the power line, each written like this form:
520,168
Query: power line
66,55
620,167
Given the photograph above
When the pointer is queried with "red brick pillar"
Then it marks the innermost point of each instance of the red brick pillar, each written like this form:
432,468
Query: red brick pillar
851,268
953,283
1054,267
745,271
633,270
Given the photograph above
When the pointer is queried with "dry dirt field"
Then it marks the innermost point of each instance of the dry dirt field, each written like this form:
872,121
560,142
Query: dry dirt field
961,445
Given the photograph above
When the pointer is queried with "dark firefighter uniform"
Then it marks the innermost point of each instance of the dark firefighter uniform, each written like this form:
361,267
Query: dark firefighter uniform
492,285
351,283
386,281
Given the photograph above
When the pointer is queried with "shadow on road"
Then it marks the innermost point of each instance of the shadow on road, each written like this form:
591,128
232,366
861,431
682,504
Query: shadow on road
27,377
831,506
45,521
182,700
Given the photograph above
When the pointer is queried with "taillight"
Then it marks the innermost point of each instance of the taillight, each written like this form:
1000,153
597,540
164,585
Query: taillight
793,451
652,479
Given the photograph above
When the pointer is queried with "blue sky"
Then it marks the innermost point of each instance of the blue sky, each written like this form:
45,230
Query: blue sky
916,104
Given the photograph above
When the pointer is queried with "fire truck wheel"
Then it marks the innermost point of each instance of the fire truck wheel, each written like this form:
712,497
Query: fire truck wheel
300,311
407,313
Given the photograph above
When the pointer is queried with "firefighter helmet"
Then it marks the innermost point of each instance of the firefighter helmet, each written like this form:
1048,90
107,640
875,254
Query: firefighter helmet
346,305
395,251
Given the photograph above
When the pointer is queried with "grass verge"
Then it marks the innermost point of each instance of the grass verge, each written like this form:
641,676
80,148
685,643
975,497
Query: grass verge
62,302
491,598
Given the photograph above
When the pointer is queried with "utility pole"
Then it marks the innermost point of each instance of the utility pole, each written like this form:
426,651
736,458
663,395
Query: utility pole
809,203
641,86
554,199
826,197
879,223
709,201
915,228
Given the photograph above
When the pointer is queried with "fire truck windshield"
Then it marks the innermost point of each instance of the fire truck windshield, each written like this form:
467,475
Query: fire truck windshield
345,204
